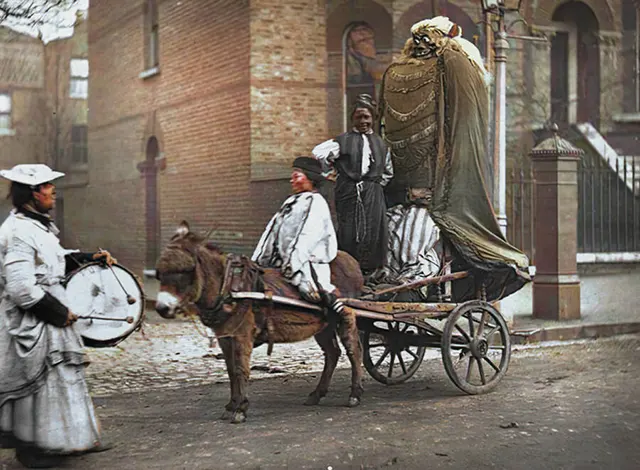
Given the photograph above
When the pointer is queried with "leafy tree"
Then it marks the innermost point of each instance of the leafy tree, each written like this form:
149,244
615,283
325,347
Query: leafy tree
32,12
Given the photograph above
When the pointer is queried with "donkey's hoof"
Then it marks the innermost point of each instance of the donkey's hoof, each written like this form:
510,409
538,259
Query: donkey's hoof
238,417
312,400
353,401
226,415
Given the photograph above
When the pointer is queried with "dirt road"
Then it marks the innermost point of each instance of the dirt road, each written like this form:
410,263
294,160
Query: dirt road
566,407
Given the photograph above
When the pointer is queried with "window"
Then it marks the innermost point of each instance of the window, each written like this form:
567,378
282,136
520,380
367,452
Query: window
5,111
363,70
79,86
79,148
152,55
631,54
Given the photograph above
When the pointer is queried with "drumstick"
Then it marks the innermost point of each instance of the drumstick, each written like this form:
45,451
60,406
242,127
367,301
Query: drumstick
130,299
91,317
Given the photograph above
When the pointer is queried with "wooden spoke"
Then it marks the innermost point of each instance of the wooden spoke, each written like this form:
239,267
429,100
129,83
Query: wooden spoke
391,362
382,358
463,333
490,362
470,320
481,371
415,356
401,361
483,320
471,360
486,322
492,332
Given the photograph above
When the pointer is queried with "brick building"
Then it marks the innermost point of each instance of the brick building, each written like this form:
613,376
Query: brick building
43,105
196,109
21,100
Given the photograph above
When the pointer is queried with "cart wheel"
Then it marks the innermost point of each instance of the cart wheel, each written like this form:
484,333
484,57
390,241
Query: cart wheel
388,358
476,347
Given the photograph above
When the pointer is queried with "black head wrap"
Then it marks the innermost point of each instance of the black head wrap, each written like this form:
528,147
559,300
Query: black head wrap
310,167
364,100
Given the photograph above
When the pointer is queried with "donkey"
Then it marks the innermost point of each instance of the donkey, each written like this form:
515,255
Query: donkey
192,271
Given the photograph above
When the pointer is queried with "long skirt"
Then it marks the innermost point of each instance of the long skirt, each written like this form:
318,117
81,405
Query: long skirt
411,252
362,224
59,417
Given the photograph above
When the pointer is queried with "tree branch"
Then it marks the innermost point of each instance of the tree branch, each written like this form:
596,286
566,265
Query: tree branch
32,12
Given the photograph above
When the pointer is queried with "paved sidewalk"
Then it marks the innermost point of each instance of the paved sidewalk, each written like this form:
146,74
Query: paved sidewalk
610,304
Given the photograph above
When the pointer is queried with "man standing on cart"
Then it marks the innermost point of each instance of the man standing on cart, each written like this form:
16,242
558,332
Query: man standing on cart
363,165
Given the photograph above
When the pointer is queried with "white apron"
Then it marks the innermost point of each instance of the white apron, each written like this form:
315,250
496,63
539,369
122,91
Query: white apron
44,399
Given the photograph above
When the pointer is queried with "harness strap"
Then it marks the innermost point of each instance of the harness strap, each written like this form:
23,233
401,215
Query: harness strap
268,296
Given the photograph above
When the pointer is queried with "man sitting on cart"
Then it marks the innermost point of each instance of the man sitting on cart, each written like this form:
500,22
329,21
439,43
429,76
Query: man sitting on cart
300,238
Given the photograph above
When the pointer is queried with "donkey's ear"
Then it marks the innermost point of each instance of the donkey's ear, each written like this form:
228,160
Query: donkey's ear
183,229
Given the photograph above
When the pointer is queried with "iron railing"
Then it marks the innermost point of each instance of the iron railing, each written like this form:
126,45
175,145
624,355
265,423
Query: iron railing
521,210
609,207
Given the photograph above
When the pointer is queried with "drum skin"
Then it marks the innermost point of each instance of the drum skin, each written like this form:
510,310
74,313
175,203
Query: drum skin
94,290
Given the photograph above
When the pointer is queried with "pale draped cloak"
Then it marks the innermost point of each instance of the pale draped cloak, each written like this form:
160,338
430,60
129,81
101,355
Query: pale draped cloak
301,241
364,168
435,113
44,401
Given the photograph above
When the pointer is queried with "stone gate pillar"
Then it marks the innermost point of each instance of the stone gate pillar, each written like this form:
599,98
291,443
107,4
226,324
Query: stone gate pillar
556,285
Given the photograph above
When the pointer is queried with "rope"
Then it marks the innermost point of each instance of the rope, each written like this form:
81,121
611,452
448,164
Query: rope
361,216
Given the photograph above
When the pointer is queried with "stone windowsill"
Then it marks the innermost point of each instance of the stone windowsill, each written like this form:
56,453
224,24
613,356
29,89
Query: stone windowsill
76,168
7,132
148,73
627,118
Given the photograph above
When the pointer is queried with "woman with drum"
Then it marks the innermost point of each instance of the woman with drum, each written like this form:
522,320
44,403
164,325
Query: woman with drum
46,412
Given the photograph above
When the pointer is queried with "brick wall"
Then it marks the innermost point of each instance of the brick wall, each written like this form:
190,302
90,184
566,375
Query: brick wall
22,76
288,79
244,87
198,108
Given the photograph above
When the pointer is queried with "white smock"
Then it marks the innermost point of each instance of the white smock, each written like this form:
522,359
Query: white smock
44,401
300,238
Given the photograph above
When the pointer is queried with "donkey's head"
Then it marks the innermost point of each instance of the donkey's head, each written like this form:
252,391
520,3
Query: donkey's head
190,271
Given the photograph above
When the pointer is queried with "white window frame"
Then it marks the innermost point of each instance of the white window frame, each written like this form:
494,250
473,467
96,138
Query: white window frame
7,113
572,30
151,56
79,77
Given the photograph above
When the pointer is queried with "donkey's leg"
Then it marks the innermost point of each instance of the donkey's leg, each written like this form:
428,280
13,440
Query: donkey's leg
348,331
242,348
226,344
329,344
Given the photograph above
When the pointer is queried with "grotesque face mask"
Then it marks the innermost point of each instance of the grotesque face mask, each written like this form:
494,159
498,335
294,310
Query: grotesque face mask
424,45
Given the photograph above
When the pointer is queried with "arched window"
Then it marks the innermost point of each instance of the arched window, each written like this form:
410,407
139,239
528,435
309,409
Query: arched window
363,67
152,217
151,30
575,66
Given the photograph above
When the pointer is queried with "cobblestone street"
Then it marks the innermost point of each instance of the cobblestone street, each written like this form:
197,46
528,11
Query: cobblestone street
177,353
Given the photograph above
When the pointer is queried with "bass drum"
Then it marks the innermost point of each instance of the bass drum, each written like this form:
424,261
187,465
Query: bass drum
98,290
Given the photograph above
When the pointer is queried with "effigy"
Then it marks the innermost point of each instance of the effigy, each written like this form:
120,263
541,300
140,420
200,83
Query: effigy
434,109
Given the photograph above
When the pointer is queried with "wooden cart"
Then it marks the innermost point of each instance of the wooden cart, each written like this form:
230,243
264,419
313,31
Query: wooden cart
473,337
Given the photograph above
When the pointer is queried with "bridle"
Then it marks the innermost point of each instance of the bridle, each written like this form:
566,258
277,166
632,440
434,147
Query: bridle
194,296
